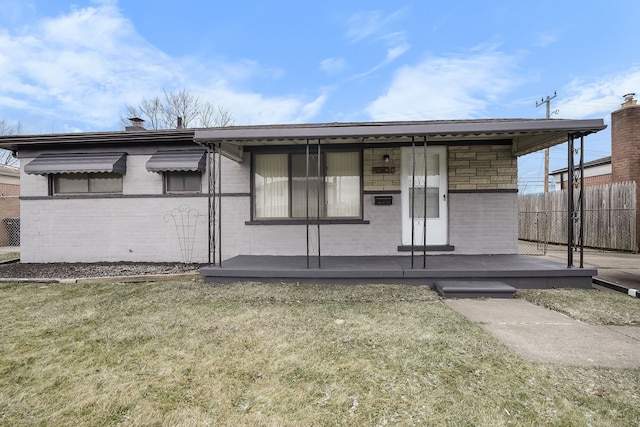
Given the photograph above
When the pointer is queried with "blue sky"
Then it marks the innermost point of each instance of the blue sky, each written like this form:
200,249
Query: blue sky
73,66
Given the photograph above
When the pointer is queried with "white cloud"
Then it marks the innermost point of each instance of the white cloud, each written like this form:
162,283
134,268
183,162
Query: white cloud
83,67
374,25
254,108
598,98
311,109
366,24
450,87
333,65
396,51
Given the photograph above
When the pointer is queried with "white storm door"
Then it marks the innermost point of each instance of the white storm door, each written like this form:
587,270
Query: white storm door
413,195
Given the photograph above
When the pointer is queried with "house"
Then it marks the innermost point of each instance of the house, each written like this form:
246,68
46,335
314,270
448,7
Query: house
595,172
310,190
624,163
9,181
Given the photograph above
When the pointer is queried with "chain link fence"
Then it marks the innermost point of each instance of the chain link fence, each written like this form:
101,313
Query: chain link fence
533,233
10,216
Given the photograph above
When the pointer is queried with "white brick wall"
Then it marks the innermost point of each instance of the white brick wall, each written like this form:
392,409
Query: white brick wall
381,237
138,180
483,223
236,176
120,229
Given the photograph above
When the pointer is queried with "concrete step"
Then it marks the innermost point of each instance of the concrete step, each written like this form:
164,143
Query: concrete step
473,289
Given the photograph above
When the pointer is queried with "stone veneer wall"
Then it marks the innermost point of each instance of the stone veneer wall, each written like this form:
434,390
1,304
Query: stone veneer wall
482,167
471,167
373,157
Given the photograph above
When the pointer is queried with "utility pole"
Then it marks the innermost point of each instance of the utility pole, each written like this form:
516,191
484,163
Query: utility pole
546,150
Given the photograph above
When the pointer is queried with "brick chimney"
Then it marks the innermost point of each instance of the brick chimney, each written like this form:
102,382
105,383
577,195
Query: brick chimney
625,141
625,146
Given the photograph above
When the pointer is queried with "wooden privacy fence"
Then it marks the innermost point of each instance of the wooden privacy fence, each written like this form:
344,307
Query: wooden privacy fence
609,217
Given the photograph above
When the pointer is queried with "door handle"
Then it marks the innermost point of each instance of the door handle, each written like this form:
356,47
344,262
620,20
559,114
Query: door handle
444,197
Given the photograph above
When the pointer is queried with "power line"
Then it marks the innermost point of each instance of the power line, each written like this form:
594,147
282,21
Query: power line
546,150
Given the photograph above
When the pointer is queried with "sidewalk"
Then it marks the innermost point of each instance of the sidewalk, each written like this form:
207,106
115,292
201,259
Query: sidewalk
542,335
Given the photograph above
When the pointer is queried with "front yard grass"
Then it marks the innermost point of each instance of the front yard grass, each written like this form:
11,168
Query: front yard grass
588,305
186,353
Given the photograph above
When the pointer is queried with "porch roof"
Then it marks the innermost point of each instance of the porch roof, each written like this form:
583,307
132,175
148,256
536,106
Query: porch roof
527,135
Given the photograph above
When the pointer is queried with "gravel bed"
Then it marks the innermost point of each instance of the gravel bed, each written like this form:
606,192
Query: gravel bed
76,270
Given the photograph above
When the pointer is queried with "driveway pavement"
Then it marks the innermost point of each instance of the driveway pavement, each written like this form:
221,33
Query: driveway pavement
542,335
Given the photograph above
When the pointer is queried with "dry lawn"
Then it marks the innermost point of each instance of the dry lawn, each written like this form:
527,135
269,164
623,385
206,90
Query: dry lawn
588,305
184,354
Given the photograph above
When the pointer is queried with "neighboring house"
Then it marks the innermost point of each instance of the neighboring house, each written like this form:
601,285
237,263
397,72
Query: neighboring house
596,172
624,163
143,195
9,181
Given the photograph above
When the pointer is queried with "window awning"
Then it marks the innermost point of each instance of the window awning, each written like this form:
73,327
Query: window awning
177,160
77,163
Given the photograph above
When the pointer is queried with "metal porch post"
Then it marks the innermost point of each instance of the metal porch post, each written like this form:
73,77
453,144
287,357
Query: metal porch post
219,204
582,201
307,198
424,207
319,191
570,207
211,202
413,198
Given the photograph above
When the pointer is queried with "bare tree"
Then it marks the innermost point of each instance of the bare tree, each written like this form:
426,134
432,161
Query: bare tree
163,113
214,116
6,157
150,110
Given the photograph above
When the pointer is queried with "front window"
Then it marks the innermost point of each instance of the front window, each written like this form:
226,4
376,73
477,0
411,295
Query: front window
283,190
85,183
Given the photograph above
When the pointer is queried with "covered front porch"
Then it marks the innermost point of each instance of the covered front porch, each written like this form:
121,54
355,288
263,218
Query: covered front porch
443,190
519,271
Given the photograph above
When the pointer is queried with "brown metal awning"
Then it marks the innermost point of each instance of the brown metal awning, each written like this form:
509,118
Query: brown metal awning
77,163
177,160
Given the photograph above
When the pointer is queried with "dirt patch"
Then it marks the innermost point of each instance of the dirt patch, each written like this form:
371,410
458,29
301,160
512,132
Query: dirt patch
75,270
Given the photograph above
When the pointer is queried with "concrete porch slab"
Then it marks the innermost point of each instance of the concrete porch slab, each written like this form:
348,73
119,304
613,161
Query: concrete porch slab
519,271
